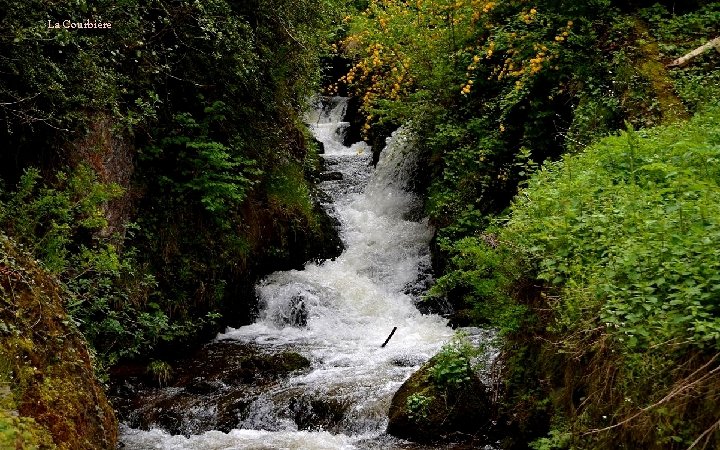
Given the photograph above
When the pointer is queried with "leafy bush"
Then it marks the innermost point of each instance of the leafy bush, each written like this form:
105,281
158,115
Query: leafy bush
418,406
602,274
455,363
109,294
619,243
203,100
494,88
631,227
213,174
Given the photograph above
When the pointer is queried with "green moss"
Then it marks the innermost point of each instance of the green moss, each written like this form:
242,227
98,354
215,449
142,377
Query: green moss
650,66
52,396
18,432
289,194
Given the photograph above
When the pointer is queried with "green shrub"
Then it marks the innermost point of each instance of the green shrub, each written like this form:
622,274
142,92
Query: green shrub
418,406
620,242
161,371
630,228
110,295
455,364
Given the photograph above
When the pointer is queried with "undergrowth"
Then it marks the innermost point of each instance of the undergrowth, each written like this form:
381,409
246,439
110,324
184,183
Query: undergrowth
623,238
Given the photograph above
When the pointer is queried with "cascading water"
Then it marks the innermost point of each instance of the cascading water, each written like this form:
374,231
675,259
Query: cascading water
338,313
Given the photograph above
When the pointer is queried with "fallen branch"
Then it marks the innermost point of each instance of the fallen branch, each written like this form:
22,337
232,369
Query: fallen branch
685,60
388,338
706,435
675,391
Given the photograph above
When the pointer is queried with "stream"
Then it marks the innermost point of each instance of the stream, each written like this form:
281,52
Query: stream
334,315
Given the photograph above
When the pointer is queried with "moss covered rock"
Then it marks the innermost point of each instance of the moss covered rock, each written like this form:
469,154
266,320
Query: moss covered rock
427,410
51,397
224,377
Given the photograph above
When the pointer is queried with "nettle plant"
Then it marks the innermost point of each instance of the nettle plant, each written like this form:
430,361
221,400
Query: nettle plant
628,231
456,363
418,406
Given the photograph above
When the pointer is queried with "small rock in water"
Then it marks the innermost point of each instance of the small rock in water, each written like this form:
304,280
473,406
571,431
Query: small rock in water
298,312
331,176
296,315
407,360
316,414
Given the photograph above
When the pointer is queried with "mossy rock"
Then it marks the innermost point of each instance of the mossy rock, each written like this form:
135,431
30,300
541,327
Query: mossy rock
225,376
232,362
455,412
317,413
53,398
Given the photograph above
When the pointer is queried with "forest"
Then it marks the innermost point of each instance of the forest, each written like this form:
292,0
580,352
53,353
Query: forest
162,187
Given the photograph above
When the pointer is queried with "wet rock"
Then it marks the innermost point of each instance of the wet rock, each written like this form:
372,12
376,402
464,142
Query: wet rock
231,410
331,176
355,118
211,390
319,145
323,197
166,413
200,386
296,314
232,363
315,414
424,411
406,361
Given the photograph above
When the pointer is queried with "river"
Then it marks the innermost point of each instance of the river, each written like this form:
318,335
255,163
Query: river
337,313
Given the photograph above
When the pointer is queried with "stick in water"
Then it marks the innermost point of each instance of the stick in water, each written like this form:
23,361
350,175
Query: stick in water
388,339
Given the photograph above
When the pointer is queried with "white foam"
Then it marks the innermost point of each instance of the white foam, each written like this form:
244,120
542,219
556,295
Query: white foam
352,304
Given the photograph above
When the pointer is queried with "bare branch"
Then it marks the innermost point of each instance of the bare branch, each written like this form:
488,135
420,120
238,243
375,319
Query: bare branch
685,60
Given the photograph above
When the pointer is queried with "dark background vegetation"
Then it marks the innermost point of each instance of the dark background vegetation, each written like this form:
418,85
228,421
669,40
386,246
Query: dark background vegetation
158,168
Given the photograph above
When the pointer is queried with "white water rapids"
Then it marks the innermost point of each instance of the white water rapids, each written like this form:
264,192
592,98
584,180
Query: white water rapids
351,304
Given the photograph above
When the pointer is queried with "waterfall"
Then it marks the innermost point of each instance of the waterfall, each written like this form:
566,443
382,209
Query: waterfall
337,313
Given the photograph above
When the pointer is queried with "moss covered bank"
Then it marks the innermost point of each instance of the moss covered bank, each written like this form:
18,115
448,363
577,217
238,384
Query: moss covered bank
50,396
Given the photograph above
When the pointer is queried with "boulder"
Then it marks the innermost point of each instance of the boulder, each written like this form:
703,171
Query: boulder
424,410
317,413
209,390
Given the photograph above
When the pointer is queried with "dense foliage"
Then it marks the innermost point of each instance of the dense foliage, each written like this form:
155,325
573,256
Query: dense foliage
493,86
624,237
603,276
158,167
